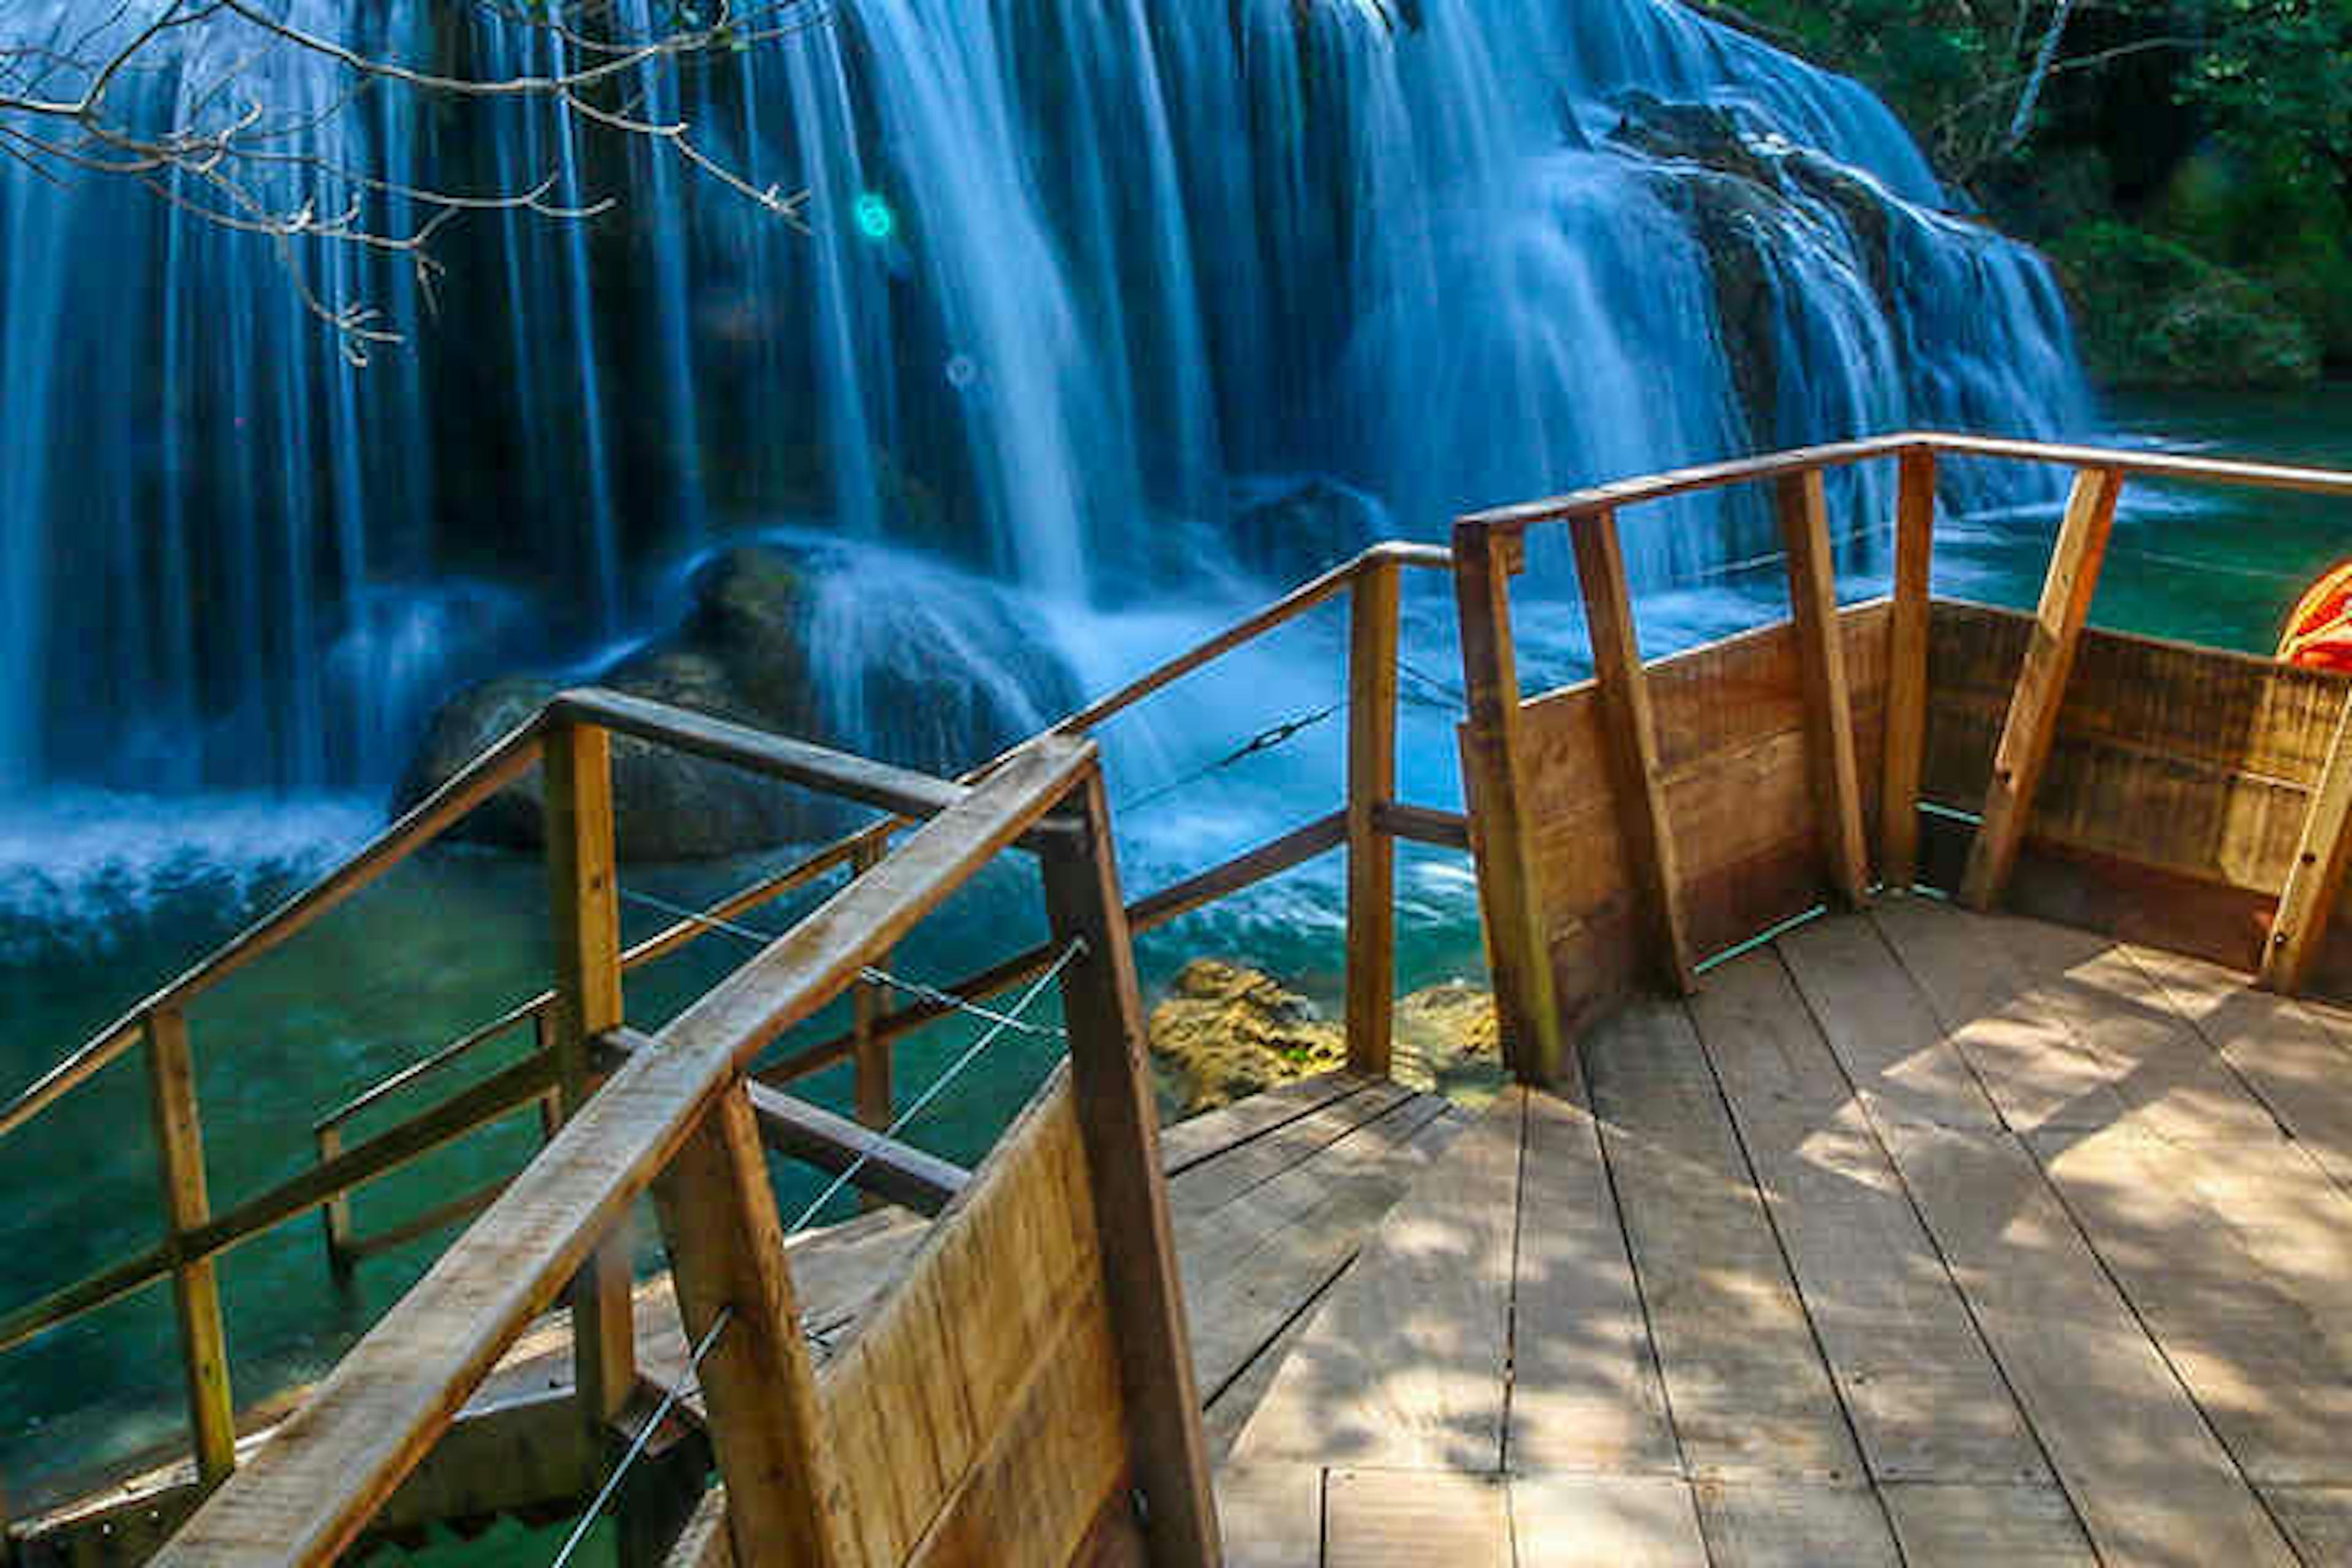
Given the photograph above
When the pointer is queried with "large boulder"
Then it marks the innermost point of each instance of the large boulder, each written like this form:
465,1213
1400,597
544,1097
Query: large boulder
747,650
1287,530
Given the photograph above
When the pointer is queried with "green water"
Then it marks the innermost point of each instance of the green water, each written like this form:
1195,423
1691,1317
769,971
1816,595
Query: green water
453,938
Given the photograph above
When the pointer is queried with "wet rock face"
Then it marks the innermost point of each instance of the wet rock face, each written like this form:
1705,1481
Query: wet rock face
1753,198
745,650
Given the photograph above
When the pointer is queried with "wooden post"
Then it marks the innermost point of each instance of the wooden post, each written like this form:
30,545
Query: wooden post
867,1001
1527,1008
785,1502
584,898
1907,672
195,1290
551,1104
1103,1011
2317,876
335,1214
2033,707
1829,698
1629,734
1372,630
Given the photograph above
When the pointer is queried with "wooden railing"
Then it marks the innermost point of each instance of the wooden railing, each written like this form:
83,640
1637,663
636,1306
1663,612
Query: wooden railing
573,738
1368,824
1560,935
675,1118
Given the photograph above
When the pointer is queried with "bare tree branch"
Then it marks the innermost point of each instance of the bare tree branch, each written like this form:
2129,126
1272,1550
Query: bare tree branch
228,159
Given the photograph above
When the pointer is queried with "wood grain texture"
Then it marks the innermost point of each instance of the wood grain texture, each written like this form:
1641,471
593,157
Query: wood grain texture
308,1494
1103,1011
1794,1524
1605,1522
1002,1446
583,903
1404,1519
1828,695
2318,1520
871,1056
2287,1052
2145,1472
1739,801
1404,1364
1256,1270
2181,760
1748,1391
2314,876
1943,1526
2236,1257
1629,751
1497,773
1272,1515
885,1169
1924,1397
1259,1265
195,1287
1204,1190
1907,672
1372,633
913,1399
784,1500
1585,1392
2032,726
1198,1139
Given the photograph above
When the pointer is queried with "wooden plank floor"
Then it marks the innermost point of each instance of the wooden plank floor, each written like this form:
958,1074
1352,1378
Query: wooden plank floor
1916,1237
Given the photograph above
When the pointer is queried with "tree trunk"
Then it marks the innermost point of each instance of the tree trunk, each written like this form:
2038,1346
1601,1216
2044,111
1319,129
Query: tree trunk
2020,125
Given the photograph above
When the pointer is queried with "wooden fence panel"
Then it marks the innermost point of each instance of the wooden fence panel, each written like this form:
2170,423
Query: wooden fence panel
1740,803
2178,785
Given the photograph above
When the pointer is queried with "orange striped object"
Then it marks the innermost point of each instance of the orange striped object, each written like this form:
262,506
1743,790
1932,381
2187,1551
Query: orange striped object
2319,633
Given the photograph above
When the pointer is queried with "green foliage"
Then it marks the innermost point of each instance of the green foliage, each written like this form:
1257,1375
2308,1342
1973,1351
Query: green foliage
2153,312
2277,77
2169,136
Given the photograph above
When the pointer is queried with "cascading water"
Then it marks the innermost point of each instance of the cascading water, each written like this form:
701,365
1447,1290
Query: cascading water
1086,282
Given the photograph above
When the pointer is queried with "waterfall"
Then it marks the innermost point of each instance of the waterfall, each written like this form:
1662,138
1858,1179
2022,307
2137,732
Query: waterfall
1084,281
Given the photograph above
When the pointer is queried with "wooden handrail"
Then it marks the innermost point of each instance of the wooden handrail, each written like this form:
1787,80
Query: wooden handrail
306,1495
906,795
663,942
867,1158
500,1094
484,776
839,773
2150,465
1394,552
1148,914
1844,454
1516,935
1289,607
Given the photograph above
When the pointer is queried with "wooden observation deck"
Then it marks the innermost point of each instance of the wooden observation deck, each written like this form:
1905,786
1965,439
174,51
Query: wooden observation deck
1931,1141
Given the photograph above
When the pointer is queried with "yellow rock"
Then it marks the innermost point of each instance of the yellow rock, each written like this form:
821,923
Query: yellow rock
1226,1031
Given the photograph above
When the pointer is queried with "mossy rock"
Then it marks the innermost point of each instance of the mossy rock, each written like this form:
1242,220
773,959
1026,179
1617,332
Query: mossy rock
1226,1031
